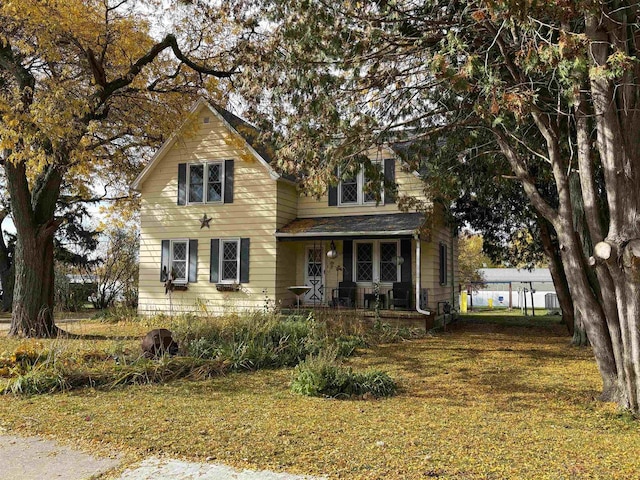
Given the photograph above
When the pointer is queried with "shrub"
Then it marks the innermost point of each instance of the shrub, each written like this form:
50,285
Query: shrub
322,376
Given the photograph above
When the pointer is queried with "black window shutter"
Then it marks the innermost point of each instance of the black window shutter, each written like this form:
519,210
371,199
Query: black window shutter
182,184
443,264
228,181
214,276
193,261
244,260
446,267
389,180
164,260
333,193
347,260
405,253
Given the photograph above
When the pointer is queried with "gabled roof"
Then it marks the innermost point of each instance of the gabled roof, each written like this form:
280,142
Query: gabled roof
387,225
246,132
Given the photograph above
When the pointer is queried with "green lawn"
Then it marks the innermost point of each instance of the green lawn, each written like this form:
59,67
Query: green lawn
512,318
484,401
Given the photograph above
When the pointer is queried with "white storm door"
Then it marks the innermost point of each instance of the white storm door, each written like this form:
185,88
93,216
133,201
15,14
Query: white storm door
313,275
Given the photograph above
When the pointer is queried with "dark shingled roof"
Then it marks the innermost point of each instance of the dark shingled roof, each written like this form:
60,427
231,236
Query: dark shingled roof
247,131
392,224
252,135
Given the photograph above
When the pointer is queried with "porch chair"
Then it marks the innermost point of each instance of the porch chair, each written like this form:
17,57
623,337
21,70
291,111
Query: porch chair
400,295
345,294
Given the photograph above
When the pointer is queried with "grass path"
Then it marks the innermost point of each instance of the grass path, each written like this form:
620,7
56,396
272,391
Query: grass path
481,402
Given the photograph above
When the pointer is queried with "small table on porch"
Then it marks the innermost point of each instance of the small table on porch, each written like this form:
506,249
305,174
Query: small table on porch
298,291
370,300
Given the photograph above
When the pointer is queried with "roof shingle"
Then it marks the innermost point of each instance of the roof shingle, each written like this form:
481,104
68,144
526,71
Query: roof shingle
393,224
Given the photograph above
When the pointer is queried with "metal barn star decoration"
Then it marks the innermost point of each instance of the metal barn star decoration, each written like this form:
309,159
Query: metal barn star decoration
205,221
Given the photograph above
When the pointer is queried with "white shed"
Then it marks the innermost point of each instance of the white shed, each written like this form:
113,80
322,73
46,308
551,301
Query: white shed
515,288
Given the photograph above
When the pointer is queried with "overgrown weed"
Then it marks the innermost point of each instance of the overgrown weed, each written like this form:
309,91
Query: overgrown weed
208,346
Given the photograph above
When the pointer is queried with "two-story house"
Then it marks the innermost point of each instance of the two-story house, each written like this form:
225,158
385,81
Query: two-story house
231,232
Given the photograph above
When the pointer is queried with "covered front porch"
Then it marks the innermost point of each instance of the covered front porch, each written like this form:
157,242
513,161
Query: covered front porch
363,262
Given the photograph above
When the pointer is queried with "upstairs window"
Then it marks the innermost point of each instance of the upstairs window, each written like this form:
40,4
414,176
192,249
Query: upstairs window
196,183
215,181
349,190
210,175
357,189
209,182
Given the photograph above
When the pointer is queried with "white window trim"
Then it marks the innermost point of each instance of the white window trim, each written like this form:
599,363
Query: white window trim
185,280
376,262
360,183
205,179
221,260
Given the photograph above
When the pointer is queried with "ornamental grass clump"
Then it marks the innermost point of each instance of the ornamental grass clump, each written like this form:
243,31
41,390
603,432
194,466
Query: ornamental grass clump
65,364
323,376
251,342
36,379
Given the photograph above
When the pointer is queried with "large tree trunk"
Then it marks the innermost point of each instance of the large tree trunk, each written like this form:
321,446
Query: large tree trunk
7,270
586,300
7,277
552,251
579,338
33,213
590,311
33,294
617,119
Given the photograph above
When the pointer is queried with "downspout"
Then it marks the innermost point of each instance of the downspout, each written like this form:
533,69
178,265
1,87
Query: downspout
453,280
418,270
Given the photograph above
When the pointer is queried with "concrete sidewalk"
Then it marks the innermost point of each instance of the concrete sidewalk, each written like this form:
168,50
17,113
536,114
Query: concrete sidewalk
33,458
154,468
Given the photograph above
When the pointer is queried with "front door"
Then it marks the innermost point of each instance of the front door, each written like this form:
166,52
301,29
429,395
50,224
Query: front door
313,275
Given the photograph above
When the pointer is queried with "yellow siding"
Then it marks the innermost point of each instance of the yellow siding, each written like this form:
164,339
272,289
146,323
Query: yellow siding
408,185
252,214
286,265
430,272
287,203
